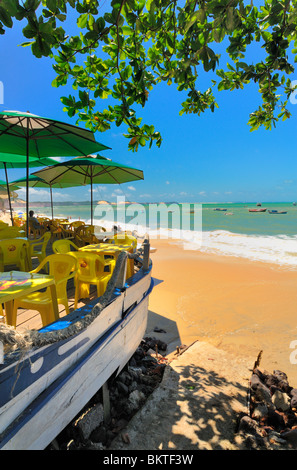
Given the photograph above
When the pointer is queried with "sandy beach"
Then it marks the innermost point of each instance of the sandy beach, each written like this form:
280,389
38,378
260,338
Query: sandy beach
237,305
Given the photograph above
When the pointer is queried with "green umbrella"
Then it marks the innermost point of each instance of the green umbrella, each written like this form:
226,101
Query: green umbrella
38,137
10,160
12,187
36,182
89,170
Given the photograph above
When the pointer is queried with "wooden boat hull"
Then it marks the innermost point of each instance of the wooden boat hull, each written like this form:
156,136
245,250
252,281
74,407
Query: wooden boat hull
57,380
277,212
257,210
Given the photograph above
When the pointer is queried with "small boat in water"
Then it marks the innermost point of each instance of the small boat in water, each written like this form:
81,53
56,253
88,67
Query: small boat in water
257,210
277,212
219,209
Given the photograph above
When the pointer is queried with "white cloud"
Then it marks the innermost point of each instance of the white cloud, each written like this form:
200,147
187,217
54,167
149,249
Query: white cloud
167,182
131,188
42,195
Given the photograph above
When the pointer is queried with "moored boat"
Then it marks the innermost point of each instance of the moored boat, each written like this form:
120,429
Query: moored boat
52,373
219,209
257,210
277,212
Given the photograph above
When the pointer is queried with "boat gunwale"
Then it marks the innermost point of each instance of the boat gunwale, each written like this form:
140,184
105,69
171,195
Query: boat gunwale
54,387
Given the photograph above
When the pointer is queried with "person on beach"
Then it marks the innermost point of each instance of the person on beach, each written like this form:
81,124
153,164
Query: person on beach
35,222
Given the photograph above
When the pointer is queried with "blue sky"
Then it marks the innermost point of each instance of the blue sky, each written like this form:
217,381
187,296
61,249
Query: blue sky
213,157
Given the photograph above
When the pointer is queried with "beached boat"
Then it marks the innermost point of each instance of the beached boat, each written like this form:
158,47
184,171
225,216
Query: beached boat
257,210
45,384
277,212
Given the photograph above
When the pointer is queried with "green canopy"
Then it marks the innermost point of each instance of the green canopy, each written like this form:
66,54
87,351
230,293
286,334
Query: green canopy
89,170
12,187
39,137
10,161
25,133
36,182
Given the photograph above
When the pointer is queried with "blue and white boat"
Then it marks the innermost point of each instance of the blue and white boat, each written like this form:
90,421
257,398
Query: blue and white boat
44,386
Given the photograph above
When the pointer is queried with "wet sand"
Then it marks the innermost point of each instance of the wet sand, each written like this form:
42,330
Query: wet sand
237,305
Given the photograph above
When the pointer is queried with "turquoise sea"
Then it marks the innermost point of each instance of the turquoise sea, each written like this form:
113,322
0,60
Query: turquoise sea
236,231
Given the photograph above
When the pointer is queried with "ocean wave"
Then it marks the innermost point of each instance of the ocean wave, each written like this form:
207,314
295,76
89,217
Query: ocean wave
277,249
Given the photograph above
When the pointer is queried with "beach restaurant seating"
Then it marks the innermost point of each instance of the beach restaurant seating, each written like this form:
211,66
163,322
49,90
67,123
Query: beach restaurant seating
64,246
85,235
38,247
15,252
11,232
124,239
58,231
62,268
17,221
74,225
92,269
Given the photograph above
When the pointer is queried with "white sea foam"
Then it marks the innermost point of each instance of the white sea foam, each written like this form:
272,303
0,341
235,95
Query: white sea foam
281,249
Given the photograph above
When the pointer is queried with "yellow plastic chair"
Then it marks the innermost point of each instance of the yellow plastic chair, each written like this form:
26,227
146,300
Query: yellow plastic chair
15,252
38,247
1,261
124,239
11,232
36,232
92,269
64,246
85,235
75,224
62,268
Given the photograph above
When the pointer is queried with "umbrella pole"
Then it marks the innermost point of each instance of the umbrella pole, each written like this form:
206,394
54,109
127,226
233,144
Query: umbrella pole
8,194
51,191
91,200
27,182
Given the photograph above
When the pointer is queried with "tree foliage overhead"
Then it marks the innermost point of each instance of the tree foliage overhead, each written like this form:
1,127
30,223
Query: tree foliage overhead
120,55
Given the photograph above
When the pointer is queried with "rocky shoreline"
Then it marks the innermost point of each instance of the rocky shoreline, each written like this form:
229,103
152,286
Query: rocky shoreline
127,393
271,421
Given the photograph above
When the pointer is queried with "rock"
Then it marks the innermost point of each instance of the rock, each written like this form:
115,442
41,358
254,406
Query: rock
275,419
95,446
136,398
281,400
122,388
260,412
262,393
293,395
90,420
127,393
99,435
275,437
248,425
291,437
280,375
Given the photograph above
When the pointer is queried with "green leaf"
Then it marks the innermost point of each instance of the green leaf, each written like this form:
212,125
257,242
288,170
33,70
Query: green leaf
82,21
